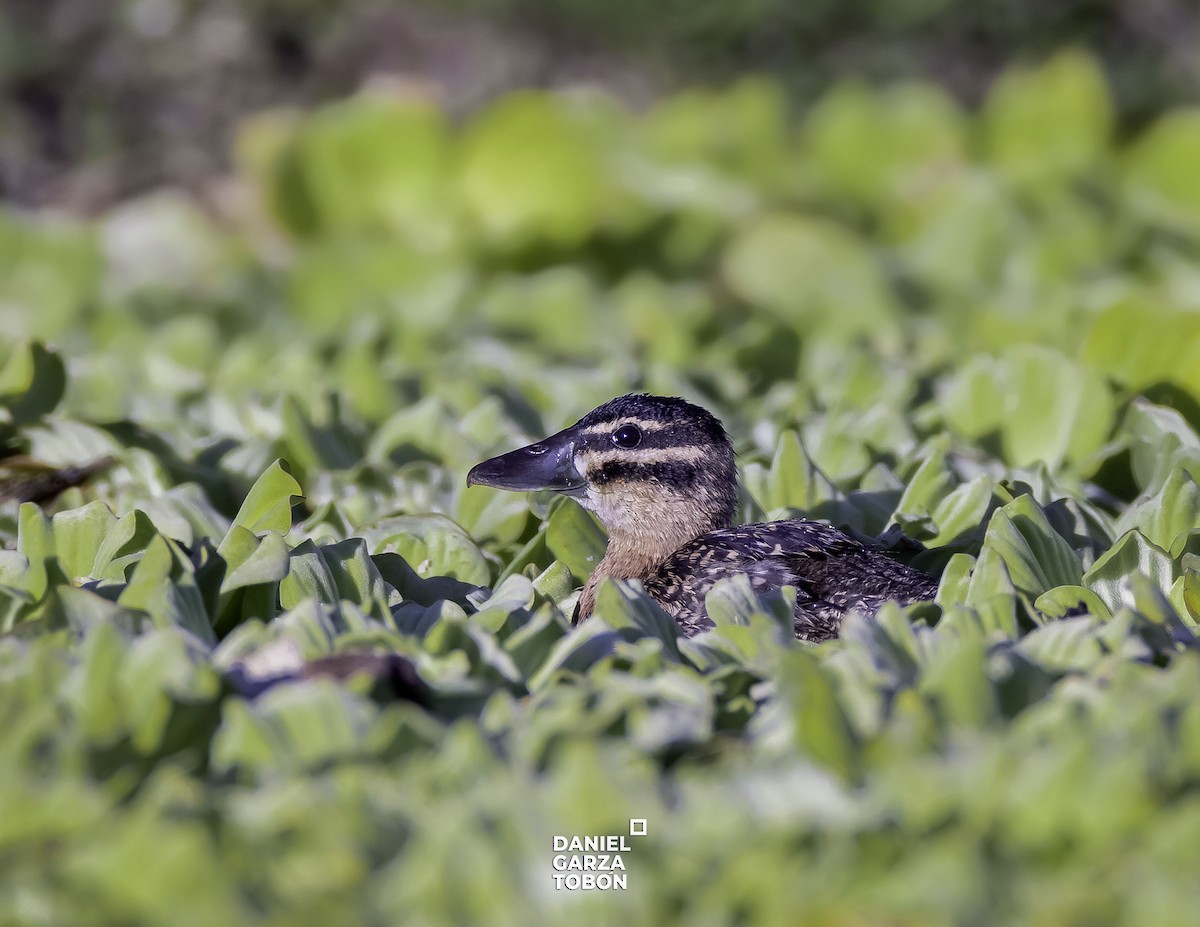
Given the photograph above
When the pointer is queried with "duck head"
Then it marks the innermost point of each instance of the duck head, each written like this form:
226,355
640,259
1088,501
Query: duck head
656,471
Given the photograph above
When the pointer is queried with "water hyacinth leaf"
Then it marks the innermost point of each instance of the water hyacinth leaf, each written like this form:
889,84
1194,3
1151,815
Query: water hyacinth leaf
163,586
819,725
973,401
530,172
531,645
811,272
78,534
1159,438
733,601
962,510
13,567
35,541
250,583
495,515
318,446
1057,409
1166,516
73,536
432,545
123,545
555,582
418,620
1158,179
419,590
955,582
1110,578
95,694
292,727
1037,557
1191,594
1050,122
1153,602
1065,601
32,383
377,161
1141,343
1045,406
956,680
515,593
868,144
268,505
333,572
253,560
574,537
307,576
620,605
159,674
580,649
991,595
1068,645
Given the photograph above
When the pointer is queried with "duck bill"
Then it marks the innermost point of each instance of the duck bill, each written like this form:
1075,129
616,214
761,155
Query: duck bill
549,464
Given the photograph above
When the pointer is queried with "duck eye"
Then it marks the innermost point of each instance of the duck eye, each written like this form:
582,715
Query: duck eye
627,436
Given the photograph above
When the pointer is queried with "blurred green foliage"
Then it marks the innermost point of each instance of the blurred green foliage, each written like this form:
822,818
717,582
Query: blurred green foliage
914,321
98,100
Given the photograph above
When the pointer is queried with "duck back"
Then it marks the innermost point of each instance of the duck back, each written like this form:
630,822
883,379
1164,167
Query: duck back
833,574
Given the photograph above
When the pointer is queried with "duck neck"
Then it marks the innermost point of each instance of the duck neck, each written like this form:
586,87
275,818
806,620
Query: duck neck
637,554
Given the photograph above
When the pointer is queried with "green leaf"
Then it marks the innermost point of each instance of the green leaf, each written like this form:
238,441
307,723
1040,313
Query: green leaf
78,535
495,515
1111,575
1159,171
1141,343
1037,557
268,505
253,560
1167,516
334,572
574,537
789,481
962,509
733,601
820,727
620,605
1069,645
812,273
163,586
957,682
378,161
1051,122
1046,406
123,545
929,485
531,172
1063,600
432,545
1159,438
32,383
870,145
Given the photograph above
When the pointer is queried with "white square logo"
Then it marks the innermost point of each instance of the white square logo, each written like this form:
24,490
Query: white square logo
637,827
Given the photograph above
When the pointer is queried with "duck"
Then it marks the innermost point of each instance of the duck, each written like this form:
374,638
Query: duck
660,475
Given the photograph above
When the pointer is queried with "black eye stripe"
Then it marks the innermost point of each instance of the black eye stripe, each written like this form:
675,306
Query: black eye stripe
678,475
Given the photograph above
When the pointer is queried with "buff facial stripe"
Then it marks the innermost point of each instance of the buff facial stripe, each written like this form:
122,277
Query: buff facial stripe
587,459
605,427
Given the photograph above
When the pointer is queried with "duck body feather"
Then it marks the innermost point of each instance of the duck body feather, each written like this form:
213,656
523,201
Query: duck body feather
833,574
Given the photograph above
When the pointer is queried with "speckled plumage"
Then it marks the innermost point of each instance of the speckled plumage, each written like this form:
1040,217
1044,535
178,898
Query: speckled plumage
667,501
833,574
